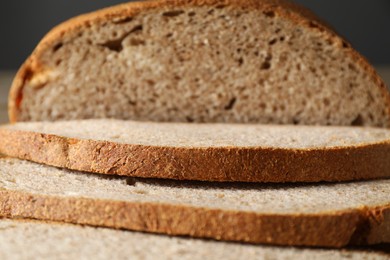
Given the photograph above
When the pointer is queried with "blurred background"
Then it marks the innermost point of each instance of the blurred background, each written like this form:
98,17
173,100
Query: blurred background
23,23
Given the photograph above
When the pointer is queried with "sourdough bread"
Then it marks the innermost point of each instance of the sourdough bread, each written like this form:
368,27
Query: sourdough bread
21,240
207,152
329,215
236,61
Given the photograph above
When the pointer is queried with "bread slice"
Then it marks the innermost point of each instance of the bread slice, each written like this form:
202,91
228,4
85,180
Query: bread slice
236,61
329,215
207,152
37,240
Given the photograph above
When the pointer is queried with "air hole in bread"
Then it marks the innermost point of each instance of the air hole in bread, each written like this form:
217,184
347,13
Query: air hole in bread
151,82
351,67
191,14
313,25
231,104
189,119
220,6
123,20
326,102
240,61
116,44
28,74
137,28
266,65
273,41
345,45
173,13
270,14
131,102
58,46
358,121
137,42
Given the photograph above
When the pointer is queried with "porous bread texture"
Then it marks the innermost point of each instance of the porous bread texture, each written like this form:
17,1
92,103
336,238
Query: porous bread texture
331,215
32,178
237,61
21,240
205,152
209,135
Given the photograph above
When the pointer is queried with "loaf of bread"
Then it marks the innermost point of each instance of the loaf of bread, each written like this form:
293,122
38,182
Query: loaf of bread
207,152
26,240
329,215
232,61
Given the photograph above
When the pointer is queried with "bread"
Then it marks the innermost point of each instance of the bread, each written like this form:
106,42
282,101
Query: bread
235,61
328,215
207,152
34,240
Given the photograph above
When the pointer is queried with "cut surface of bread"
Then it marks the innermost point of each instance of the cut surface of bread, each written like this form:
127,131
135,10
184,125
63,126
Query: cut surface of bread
329,215
206,152
21,240
235,61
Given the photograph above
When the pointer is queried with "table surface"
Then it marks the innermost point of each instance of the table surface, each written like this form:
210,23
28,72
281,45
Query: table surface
7,76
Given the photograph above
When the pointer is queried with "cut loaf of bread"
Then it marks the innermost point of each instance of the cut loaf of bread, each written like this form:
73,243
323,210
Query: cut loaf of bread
26,240
234,61
329,215
207,152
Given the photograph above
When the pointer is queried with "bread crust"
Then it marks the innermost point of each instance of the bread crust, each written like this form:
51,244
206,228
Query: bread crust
289,10
222,164
327,229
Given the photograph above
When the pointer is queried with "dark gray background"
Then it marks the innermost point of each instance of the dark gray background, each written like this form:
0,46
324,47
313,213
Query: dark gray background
366,23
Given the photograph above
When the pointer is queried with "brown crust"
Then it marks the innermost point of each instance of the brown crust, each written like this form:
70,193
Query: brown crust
295,13
328,229
229,164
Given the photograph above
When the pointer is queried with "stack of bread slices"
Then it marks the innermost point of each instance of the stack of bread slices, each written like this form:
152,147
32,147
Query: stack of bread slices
237,129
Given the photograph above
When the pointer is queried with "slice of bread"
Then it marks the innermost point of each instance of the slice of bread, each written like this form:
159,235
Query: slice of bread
329,215
207,152
37,240
235,61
